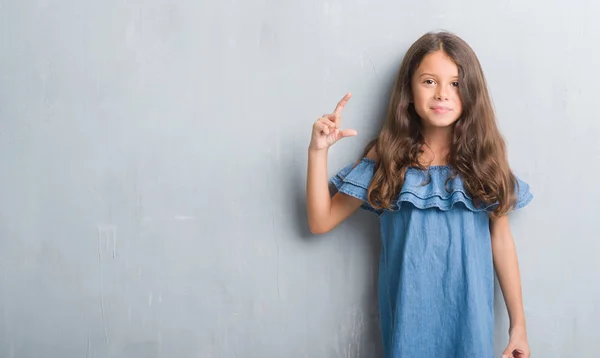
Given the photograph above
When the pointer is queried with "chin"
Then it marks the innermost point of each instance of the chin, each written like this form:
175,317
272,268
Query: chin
441,122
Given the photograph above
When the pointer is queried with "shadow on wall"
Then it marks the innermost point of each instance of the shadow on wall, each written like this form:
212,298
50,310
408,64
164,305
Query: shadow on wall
359,334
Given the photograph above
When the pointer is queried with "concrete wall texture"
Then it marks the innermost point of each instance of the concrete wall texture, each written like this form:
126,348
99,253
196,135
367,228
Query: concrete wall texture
153,161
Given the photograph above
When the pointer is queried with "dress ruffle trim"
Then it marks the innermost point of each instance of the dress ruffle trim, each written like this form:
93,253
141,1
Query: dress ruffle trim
438,193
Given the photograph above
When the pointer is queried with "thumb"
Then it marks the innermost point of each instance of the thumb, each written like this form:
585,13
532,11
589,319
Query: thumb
507,352
348,133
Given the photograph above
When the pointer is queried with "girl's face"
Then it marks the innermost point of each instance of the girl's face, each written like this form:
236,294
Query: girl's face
435,91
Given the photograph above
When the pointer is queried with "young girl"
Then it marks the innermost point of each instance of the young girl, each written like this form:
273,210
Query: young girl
438,178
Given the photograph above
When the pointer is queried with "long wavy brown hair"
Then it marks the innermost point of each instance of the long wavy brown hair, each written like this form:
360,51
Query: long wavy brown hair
477,152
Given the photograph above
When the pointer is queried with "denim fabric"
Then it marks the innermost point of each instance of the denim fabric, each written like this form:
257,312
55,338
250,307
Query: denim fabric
436,275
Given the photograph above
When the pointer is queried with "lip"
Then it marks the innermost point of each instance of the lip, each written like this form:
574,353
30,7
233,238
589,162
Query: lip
440,109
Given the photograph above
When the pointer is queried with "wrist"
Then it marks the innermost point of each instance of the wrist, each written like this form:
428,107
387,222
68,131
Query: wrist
517,328
317,151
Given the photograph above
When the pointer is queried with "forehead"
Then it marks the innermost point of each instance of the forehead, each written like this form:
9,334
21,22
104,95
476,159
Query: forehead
437,63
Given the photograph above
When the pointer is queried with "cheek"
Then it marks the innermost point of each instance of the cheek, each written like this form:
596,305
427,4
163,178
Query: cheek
420,103
457,95
416,92
457,99
419,96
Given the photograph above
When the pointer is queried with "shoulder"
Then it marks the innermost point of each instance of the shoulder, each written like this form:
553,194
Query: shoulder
372,154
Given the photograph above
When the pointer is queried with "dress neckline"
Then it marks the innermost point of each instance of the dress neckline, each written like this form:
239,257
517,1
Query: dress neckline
430,167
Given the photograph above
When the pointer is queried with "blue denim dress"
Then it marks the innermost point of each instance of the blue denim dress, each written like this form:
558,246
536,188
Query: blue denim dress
436,274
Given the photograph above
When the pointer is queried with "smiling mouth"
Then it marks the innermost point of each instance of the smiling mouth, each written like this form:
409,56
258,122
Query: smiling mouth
438,109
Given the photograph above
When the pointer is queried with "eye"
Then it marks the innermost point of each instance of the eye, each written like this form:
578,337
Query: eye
429,82
455,84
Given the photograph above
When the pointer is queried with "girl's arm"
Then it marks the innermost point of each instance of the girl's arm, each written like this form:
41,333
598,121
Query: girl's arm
507,270
324,212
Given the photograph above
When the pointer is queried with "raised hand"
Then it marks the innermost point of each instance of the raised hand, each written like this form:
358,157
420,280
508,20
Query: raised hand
326,130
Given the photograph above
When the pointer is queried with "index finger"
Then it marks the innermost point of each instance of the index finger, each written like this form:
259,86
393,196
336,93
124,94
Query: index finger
342,103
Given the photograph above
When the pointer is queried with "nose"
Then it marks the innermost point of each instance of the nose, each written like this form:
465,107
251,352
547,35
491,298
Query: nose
441,93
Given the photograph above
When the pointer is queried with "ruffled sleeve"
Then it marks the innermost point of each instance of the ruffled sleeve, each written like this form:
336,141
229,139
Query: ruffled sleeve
354,180
524,195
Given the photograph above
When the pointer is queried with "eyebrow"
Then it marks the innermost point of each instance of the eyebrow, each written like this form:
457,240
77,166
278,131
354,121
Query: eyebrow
429,74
